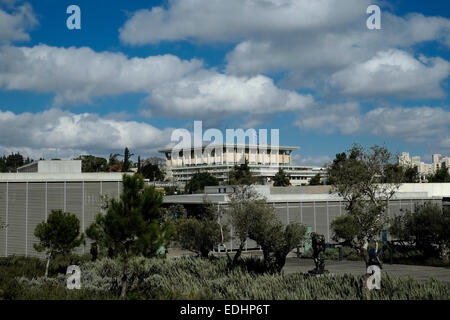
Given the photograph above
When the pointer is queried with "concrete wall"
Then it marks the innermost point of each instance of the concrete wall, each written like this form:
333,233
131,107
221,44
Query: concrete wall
59,166
433,189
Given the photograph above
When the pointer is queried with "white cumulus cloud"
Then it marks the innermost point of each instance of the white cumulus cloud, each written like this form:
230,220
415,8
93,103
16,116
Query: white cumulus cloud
57,133
394,73
16,21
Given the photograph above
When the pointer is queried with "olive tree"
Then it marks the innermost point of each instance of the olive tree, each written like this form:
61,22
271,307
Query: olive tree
357,178
427,229
201,232
253,218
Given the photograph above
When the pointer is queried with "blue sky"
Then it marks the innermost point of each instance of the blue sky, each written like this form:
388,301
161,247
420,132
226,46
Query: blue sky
138,69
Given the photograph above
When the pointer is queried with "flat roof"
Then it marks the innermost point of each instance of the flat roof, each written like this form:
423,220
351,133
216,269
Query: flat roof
53,177
252,146
407,191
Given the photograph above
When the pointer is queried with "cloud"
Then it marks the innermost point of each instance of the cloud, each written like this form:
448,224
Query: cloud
306,41
16,21
344,118
209,94
235,20
319,161
426,125
37,134
411,124
308,59
175,87
76,75
394,73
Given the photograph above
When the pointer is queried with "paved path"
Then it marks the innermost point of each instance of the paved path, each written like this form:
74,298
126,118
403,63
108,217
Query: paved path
357,268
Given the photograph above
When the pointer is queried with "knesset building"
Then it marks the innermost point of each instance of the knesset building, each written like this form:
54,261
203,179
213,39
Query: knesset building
28,197
264,162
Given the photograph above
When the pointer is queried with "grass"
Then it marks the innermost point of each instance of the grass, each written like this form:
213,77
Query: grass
195,278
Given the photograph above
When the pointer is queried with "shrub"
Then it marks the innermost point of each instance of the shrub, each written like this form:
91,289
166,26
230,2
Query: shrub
426,229
194,278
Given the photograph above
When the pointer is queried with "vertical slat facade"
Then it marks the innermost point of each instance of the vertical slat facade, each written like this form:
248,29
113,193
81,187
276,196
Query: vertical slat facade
35,213
3,203
17,223
23,205
74,204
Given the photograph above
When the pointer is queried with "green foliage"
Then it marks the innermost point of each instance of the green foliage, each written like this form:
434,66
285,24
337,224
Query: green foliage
199,236
60,234
241,175
199,181
200,233
281,179
91,163
170,191
396,173
13,161
441,176
193,278
152,172
345,228
252,217
427,229
126,163
411,175
357,177
316,180
114,165
134,224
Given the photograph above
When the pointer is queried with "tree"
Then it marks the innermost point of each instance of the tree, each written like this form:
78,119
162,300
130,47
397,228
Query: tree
396,172
427,229
199,234
91,163
281,179
356,178
441,176
14,161
252,217
126,163
345,228
316,180
114,165
241,175
58,235
132,225
338,160
152,172
199,181
411,175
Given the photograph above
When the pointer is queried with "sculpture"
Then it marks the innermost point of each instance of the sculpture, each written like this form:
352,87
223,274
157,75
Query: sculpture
318,246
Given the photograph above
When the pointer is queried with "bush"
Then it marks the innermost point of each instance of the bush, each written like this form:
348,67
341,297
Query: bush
194,278
426,229
348,253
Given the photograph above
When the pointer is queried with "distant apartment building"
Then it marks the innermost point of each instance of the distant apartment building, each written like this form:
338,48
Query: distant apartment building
264,163
424,169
